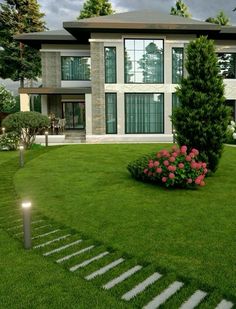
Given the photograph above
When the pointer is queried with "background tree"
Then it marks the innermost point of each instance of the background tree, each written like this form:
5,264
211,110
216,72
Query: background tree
19,62
93,8
180,9
7,100
202,119
220,19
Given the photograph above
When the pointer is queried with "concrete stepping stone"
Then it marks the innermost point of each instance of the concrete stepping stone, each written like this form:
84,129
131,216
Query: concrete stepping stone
194,300
63,247
41,227
224,304
46,234
104,269
67,257
51,241
141,286
122,277
160,299
87,262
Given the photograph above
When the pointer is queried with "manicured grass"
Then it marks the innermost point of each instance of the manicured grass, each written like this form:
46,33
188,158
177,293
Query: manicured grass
188,235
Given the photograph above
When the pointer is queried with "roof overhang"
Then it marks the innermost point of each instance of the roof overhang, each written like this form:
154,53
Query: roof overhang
51,90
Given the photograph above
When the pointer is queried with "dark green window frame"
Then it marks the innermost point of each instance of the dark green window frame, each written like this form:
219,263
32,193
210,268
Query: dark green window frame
80,71
177,64
141,121
138,53
111,113
110,64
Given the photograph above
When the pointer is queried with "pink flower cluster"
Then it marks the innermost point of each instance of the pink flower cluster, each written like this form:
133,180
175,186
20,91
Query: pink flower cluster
177,167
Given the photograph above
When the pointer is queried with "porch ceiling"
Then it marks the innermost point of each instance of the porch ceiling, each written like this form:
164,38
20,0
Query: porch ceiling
50,90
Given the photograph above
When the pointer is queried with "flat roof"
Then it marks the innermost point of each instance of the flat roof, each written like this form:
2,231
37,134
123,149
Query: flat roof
51,90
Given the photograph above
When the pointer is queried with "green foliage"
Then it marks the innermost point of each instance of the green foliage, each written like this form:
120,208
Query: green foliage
93,8
9,141
137,166
19,62
7,100
27,125
202,119
180,9
220,19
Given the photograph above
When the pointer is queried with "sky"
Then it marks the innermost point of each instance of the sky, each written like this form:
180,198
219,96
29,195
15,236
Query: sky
57,11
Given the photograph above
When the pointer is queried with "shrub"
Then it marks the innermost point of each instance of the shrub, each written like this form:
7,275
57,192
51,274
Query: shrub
230,133
9,141
27,125
202,119
175,168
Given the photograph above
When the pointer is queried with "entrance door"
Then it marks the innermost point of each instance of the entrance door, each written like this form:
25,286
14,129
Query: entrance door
74,113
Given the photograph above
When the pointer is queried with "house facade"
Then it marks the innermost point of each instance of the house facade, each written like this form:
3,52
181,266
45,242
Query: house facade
114,77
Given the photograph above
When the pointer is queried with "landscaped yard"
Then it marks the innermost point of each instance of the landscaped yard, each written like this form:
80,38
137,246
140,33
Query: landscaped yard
187,235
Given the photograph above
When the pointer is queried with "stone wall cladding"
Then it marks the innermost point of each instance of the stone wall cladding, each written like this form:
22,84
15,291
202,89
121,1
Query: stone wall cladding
98,93
51,69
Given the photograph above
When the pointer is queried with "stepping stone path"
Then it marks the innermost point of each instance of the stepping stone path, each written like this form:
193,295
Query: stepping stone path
141,286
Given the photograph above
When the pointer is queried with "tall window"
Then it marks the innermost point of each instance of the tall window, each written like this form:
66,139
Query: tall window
227,64
110,65
144,113
111,113
75,68
177,64
144,61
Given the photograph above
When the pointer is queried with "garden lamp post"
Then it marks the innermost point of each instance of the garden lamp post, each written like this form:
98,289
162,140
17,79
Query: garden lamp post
3,130
46,138
174,136
21,156
26,207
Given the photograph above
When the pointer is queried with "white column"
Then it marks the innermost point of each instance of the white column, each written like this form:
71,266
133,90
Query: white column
24,102
44,105
120,113
88,113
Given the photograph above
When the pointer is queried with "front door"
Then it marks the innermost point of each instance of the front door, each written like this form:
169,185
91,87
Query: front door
74,114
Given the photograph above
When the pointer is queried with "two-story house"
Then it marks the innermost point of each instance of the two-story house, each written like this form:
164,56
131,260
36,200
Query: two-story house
115,76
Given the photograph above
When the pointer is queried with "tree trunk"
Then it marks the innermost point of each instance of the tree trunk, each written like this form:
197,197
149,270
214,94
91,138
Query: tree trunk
22,84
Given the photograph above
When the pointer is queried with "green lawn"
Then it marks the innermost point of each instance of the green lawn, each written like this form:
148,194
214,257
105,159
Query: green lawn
187,235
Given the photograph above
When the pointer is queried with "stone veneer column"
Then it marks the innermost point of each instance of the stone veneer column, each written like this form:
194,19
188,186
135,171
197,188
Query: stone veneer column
51,69
98,90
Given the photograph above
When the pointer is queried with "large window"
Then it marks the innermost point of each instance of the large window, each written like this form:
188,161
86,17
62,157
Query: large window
144,61
144,113
110,65
75,68
177,64
111,113
227,64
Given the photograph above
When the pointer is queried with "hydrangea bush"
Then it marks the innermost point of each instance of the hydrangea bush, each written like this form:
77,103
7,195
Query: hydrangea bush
174,168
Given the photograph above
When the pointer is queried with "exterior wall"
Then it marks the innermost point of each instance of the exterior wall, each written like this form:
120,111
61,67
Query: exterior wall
24,102
51,69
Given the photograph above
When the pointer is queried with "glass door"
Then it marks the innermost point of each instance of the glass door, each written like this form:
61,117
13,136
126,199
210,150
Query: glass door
74,114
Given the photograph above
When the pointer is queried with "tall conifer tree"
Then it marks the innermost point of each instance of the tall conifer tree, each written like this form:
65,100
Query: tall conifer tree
202,119
180,9
93,8
19,62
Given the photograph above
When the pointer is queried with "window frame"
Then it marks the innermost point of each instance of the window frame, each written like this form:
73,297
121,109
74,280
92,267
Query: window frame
172,49
106,112
115,69
70,80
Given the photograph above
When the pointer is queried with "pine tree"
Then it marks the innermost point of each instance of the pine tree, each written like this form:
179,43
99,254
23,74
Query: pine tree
19,62
202,119
93,8
220,19
7,100
180,9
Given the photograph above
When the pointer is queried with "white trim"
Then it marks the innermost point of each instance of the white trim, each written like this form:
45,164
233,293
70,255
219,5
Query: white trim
105,40
63,50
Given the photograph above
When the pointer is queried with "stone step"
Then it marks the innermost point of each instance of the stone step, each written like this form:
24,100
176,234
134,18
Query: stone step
141,286
194,300
51,241
63,247
89,261
67,257
225,304
160,299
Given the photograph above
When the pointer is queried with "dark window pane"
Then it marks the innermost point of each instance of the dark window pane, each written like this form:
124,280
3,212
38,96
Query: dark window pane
110,65
111,113
227,64
177,64
75,68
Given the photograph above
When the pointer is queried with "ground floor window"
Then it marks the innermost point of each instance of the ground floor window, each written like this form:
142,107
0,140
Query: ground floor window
111,113
144,113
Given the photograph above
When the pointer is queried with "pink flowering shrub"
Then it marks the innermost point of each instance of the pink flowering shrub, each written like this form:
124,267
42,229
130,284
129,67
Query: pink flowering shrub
174,168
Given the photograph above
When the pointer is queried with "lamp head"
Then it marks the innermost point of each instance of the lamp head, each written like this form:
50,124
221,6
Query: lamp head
26,205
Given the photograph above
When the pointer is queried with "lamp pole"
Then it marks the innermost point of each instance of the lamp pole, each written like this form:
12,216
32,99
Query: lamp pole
26,207
21,157
3,130
46,138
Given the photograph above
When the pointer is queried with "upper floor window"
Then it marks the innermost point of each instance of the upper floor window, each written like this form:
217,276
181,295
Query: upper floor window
75,68
144,61
110,65
177,64
227,63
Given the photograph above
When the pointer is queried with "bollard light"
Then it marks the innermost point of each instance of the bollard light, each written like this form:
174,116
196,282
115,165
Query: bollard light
26,207
174,136
21,157
3,130
46,138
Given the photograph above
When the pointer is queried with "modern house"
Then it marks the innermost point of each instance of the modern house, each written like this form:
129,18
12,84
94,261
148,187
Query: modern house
115,76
